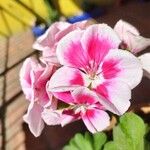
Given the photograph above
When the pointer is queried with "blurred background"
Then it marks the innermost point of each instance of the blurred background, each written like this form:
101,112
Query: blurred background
21,22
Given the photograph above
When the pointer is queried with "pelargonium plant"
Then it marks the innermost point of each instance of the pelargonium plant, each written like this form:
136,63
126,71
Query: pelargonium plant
85,72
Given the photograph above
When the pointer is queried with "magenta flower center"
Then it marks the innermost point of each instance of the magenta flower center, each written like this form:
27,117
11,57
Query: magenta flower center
91,69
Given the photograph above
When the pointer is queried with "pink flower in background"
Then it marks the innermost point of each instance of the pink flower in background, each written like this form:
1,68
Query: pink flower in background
130,36
33,79
47,43
91,59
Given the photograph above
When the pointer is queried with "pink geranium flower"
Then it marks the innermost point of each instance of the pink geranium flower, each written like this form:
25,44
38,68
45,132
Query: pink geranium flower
130,36
47,43
85,106
91,59
33,79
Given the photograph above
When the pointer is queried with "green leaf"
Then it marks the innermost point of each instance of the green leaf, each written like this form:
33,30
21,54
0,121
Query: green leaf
111,146
88,137
134,128
99,139
147,145
70,147
120,139
147,138
129,134
79,142
87,142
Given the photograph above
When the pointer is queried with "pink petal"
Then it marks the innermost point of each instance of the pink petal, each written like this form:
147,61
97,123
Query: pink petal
110,68
33,119
42,96
66,79
91,46
97,40
47,41
96,120
145,60
52,103
137,43
46,74
131,37
70,51
51,117
124,67
114,96
41,76
88,124
25,70
61,25
64,96
82,24
50,60
123,27
71,27
25,77
83,95
66,119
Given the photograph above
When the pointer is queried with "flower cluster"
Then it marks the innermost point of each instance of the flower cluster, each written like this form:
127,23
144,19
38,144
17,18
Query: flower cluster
84,72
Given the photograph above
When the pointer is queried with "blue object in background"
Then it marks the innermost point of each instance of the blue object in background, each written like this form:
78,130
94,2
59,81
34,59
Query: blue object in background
38,30
87,15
